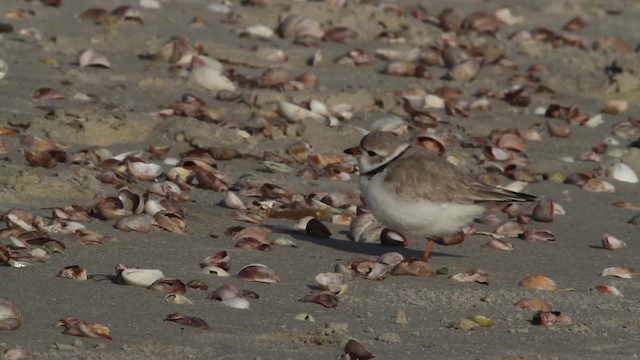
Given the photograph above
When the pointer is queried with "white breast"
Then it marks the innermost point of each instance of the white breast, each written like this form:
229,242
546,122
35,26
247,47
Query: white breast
415,216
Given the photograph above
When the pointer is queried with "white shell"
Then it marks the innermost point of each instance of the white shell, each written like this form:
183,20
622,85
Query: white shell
398,55
304,317
237,303
622,172
141,277
433,101
210,79
4,68
178,299
260,31
594,121
295,113
91,57
611,242
215,270
232,201
153,206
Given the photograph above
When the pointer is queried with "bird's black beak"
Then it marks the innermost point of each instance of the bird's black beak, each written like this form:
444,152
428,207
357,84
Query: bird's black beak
353,151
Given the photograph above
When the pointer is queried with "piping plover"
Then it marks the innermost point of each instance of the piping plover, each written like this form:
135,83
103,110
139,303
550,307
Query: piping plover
415,192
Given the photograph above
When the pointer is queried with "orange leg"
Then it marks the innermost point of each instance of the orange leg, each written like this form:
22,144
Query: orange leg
427,249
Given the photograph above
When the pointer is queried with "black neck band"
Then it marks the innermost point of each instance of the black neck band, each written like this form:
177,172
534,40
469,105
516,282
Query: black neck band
369,174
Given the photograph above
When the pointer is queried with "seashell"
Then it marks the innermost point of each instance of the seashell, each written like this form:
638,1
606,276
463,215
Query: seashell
548,318
178,299
598,185
389,237
539,282
413,267
296,26
143,171
557,130
322,297
465,71
4,68
453,56
305,317
75,327
283,242
47,94
198,284
608,290
171,222
616,106
73,272
543,211
576,23
623,172
10,315
136,222
317,229
169,285
276,167
224,292
340,34
505,16
533,234
258,31
594,121
209,78
337,283
236,303
190,321
17,353
499,244
220,259
215,270
295,114
533,305
232,201
141,277
355,350
391,258
300,151
400,68
259,233
509,229
473,275
481,22
610,242
390,55
91,57
622,272
258,273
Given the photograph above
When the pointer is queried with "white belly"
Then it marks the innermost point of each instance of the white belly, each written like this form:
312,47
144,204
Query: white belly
415,216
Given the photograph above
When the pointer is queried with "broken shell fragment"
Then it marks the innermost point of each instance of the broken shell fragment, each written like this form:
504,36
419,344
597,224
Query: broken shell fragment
598,185
539,282
473,275
391,258
171,222
91,57
220,259
533,305
499,244
190,321
357,351
337,283
141,277
389,237
608,290
547,318
215,270
169,285
611,242
413,267
304,317
75,327
258,273
622,272
623,172
74,272
322,297
178,299
236,303
10,315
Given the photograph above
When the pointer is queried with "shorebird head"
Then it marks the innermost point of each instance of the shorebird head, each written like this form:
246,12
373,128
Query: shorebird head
376,150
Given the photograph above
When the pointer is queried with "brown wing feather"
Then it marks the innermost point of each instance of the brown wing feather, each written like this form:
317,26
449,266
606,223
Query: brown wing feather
429,177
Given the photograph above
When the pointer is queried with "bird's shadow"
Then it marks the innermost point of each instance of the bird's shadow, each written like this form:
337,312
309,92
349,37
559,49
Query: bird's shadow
362,248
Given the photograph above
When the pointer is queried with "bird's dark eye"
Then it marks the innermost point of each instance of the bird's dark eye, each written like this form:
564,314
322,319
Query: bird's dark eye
371,153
